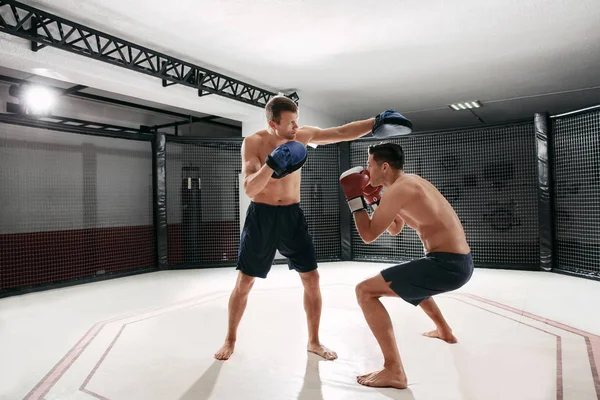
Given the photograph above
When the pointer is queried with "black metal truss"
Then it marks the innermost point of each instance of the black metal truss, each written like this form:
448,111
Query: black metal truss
45,29
188,118
185,119
89,124
63,124
186,122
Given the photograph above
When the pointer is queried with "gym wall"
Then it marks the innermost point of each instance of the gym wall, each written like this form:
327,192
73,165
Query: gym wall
77,207
72,206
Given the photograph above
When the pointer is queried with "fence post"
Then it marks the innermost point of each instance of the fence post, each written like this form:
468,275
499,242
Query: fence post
345,216
543,145
159,185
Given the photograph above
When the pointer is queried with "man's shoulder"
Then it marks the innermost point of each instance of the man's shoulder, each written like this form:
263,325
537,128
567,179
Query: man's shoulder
406,184
256,138
306,133
307,130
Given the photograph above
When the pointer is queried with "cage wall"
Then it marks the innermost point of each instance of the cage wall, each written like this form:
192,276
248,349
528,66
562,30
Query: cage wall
203,201
576,169
73,206
489,177
319,196
77,206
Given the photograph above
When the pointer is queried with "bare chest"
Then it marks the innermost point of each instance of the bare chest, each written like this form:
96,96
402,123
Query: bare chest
264,153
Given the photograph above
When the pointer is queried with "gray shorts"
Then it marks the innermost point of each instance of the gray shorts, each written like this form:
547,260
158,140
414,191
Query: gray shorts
438,272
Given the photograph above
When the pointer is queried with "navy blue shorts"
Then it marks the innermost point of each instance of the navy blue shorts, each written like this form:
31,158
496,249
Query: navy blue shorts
436,273
270,228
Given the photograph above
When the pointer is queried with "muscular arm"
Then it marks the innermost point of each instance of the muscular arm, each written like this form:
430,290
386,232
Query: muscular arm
255,176
396,226
346,132
384,217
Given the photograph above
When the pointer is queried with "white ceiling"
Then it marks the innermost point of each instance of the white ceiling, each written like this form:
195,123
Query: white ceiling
354,58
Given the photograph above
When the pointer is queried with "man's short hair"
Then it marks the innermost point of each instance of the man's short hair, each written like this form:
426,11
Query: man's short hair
391,153
277,105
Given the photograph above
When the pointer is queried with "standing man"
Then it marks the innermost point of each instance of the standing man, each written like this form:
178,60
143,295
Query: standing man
271,161
447,264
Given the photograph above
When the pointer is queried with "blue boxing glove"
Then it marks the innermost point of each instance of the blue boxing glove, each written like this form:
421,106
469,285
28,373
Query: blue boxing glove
286,159
391,123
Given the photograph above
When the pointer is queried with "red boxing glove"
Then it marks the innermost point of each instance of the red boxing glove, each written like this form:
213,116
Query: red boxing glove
353,182
372,195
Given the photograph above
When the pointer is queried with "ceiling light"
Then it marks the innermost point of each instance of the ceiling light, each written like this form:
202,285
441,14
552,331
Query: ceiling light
39,100
465,105
34,99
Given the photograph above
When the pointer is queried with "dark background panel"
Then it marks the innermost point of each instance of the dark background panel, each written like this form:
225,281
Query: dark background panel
489,177
319,197
576,148
203,202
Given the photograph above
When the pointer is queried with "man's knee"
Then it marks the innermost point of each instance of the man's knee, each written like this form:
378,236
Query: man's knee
362,292
244,283
311,279
374,287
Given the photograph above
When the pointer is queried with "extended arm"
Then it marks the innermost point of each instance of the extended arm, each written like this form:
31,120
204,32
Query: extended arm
346,132
393,123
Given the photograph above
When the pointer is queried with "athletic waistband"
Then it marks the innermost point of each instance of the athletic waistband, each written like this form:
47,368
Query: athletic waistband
455,262
265,205
444,254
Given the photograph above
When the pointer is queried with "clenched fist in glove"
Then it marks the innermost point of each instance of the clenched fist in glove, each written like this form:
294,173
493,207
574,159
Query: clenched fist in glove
353,183
372,195
286,159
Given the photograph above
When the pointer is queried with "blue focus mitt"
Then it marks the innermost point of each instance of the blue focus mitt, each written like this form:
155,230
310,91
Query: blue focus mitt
286,159
391,123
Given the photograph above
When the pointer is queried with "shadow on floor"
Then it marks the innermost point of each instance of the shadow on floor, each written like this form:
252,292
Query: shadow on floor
203,387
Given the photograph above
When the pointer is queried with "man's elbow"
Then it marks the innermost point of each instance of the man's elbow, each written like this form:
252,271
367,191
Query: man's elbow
394,231
367,237
249,189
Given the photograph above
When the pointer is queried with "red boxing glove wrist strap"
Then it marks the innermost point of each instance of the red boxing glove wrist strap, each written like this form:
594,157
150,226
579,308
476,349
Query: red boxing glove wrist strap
357,204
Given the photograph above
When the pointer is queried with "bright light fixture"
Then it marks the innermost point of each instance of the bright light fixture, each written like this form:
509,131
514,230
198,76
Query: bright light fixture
465,105
38,100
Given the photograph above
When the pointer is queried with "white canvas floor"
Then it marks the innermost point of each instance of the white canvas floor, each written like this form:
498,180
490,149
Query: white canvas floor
522,335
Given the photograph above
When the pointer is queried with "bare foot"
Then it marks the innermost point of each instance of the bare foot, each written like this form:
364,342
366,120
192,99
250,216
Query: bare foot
322,351
225,352
384,378
446,336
